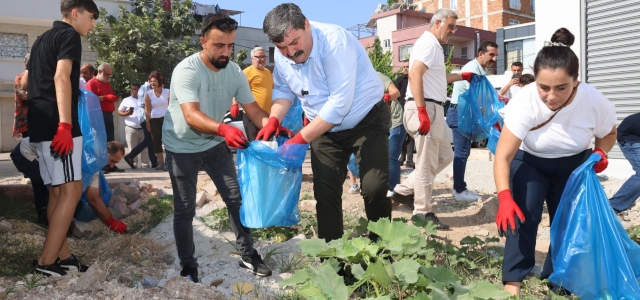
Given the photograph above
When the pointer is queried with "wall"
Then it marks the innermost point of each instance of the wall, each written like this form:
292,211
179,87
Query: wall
558,14
247,38
386,26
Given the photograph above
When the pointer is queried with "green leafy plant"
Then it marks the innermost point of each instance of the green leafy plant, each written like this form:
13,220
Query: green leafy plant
381,60
158,209
239,58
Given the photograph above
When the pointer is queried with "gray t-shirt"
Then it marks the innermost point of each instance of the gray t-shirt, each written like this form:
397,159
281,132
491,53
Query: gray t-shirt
192,81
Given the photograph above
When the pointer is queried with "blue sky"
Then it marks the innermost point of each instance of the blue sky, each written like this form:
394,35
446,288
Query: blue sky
346,13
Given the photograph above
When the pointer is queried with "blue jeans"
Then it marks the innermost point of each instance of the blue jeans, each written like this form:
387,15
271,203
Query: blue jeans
146,143
630,190
461,151
183,171
396,138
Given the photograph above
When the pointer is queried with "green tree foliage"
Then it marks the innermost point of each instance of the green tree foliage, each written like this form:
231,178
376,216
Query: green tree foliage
239,58
391,2
449,67
381,60
145,39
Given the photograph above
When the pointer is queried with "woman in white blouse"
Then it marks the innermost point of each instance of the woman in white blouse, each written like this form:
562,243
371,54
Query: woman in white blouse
547,134
156,101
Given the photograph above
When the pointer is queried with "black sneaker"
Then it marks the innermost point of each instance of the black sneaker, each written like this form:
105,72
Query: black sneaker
434,219
255,265
407,200
410,165
190,272
71,264
129,162
50,270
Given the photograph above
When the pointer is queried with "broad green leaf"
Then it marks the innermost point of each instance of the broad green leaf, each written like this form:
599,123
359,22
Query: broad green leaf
333,263
298,277
406,271
309,291
379,273
423,281
362,226
420,296
488,290
365,246
357,271
420,221
347,250
379,298
330,283
397,237
439,274
315,247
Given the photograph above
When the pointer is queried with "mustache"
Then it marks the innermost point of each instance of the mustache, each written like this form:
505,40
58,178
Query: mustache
298,53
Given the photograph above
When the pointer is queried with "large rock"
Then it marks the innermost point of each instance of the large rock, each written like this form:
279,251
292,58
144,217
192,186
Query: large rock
88,281
81,229
164,192
182,288
201,199
120,209
125,191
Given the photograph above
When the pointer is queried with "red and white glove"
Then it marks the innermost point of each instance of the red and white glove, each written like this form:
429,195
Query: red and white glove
62,143
506,211
468,76
235,110
116,225
603,163
297,139
425,122
233,136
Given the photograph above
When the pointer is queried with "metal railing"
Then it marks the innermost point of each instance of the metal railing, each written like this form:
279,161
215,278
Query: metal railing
13,45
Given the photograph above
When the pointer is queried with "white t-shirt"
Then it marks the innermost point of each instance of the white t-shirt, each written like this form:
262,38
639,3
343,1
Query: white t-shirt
158,104
132,120
569,132
83,84
427,49
512,91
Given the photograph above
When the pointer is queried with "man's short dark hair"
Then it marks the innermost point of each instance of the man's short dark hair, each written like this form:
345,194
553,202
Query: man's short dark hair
516,64
66,6
222,22
135,85
284,17
485,45
114,147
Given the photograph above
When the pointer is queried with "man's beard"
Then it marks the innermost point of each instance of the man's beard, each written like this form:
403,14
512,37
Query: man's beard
101,78
295,55
219,64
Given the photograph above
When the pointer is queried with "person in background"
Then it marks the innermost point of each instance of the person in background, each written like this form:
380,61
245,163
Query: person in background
629,142
147,142
513,86
526,79
402,82
86,73
487,56
261,84
134,133
548,129
396,130
156,102
101,86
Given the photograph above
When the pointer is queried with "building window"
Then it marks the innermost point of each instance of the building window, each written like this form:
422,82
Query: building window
515,4
13,45
533,7
454,5
387,43
404,52
447,49
271,52
463,52
513,22
514,52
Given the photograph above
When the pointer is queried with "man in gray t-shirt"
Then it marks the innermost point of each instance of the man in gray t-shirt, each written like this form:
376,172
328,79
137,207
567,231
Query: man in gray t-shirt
202,88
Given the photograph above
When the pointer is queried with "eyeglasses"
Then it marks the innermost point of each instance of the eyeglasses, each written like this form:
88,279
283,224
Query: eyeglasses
261,57
451,27
225,24
405,67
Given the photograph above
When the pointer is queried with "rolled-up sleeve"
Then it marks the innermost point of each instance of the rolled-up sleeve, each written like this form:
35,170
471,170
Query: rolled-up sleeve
340,61
281,89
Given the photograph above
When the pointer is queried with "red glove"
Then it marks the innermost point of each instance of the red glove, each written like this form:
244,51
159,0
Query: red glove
116,225
425,122
235,110
298,139
62,144
305,121
467,76
232,136
269,130
506,210
603,163
386,97
110,98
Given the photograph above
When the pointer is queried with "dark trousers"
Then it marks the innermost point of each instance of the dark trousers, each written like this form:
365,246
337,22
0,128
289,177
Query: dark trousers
534,181
146,143
407,148
249,128
108,125
329,157
31,170
183,171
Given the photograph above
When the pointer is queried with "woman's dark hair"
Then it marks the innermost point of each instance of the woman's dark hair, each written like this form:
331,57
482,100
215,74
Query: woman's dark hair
558,57
157,76
526,79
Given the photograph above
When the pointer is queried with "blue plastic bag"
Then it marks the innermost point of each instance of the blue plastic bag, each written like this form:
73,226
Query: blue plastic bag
94,136
494,136
593,256
352,166
84,211
293,119
270,182
478,109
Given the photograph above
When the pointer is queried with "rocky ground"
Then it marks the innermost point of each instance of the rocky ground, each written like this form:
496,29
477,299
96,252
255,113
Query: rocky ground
145,266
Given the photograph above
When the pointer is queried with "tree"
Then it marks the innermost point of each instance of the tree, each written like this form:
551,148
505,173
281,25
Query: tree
391,2
239,58
449,67
145,39
382,61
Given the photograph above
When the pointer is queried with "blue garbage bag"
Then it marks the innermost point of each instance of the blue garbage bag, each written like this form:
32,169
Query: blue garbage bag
494,136
94,136
293,119
84,211
478,109
270,182
352,166
593,256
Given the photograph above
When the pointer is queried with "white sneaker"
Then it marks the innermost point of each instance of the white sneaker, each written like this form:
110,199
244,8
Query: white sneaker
466,195
354,189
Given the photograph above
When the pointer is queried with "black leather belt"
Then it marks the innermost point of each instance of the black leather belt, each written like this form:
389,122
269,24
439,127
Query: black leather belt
427,100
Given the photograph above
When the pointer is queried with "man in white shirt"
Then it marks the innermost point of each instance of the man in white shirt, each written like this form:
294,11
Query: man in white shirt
487,55
513,86
424,115
133,131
